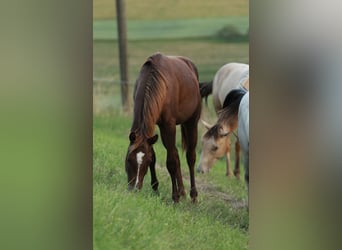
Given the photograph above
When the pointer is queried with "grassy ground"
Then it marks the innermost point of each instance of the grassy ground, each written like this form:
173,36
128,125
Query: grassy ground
143,220
177,9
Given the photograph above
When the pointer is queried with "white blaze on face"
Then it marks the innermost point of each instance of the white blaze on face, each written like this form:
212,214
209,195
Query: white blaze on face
140,156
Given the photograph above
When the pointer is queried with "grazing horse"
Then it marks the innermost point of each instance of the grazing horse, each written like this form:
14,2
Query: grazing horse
235,114
228,77
167,94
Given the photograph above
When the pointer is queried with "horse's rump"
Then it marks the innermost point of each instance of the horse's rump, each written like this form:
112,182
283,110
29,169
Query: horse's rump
228,77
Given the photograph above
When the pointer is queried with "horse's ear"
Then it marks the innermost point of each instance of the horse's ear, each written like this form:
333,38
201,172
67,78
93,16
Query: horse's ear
132,137
152,140
206,125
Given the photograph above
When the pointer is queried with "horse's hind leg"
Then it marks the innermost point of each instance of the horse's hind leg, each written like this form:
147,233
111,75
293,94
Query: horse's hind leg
237,159
189,133
228,171
168,135
154,180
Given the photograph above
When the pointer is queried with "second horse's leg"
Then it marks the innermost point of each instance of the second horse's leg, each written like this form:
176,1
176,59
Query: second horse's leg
237,160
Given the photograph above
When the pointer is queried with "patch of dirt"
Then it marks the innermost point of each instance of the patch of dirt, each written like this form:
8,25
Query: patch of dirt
210,190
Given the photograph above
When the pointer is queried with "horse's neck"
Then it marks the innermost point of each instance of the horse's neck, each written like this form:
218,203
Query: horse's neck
140,127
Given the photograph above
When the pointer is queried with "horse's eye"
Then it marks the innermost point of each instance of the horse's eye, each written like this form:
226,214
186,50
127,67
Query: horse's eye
214,148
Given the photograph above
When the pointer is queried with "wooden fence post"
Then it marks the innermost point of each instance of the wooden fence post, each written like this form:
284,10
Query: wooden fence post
122,38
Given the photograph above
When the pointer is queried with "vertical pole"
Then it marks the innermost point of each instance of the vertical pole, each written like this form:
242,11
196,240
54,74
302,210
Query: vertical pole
122,38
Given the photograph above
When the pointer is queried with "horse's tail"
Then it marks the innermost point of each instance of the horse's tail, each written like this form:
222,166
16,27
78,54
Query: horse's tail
188,140
206,88
231,106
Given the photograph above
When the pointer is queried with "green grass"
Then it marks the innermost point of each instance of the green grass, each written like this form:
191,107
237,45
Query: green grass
169,29
143,220
177,9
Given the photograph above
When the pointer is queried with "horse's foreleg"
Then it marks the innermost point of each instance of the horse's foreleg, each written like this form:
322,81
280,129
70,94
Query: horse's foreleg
168,135
154,180
237,160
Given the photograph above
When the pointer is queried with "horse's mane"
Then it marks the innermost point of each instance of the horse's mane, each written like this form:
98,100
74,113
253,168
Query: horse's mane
228,115
149,95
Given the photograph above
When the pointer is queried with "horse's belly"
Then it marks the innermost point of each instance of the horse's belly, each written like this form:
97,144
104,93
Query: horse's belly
184,115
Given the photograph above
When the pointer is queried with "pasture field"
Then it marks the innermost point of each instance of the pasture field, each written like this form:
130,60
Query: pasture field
177,9
170,29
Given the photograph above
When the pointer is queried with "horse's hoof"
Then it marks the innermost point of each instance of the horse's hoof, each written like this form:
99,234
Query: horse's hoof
193,195
182,193
155,186
194,200
175,198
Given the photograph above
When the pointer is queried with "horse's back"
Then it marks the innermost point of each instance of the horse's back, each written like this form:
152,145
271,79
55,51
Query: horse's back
243,123
228,77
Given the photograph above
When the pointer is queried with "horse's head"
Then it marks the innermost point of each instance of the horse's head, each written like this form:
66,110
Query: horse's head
215,144
139,156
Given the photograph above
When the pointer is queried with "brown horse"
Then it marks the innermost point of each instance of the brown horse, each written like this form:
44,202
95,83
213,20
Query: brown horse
167,94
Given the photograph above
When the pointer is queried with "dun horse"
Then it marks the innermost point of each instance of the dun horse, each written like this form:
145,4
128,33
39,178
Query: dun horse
228,77
235,114
166,94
